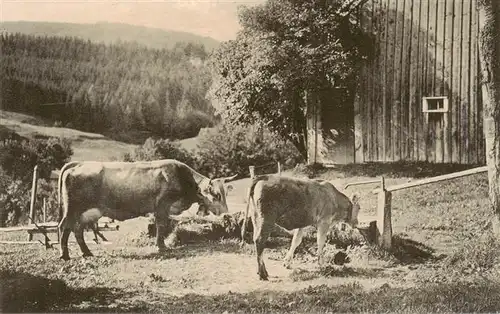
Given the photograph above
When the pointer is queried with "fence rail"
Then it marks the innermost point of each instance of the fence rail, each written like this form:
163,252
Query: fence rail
434,179
384,220
252,169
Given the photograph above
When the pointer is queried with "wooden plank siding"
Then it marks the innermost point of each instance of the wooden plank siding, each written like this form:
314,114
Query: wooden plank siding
424,41
448,76
424,48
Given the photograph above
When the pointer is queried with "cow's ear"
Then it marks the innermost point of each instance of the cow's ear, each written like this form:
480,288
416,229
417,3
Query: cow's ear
229,188
355,198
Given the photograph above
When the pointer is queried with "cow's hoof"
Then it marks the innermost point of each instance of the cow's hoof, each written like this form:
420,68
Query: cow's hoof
64,257
87,254
263,277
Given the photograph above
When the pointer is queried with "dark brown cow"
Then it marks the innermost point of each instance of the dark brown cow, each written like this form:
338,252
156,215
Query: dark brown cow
124,190
295,204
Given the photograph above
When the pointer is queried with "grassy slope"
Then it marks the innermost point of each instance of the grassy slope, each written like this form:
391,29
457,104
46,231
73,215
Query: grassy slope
109,32
441,262
86,146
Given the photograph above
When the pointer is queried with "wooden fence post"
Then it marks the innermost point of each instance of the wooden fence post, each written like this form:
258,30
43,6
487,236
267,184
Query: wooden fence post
384,224
252,171
279,168
44,209
33,198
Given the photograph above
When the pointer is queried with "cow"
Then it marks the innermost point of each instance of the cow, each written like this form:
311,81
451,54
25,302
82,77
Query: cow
294,204
89,190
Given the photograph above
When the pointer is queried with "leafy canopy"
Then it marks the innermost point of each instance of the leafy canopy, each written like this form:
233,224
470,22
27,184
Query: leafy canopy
286,50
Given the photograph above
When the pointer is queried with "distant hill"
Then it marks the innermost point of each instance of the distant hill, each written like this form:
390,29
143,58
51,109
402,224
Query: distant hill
109,33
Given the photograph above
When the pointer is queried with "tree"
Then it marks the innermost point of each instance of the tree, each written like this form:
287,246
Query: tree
489,53
287,53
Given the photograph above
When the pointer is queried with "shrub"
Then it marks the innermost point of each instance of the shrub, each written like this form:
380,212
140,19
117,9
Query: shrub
188,125
224,150
14,197
19,157
154,149
230,149
17,160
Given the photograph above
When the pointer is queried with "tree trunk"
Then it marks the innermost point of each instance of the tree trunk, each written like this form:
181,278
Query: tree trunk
489,54
299,139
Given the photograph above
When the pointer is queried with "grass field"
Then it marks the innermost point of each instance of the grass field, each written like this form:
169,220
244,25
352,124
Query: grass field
443,260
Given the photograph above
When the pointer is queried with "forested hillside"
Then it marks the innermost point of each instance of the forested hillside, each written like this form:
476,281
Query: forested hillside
109,33
102,88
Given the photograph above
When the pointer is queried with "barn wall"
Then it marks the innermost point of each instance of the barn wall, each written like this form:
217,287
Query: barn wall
424,48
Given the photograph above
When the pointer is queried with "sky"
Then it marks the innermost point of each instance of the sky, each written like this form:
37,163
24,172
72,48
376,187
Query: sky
215,18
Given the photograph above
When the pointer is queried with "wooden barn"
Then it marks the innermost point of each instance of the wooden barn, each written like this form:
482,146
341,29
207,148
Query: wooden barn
419,97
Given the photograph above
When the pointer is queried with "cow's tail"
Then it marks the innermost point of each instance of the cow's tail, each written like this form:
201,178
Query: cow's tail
59,186
249,198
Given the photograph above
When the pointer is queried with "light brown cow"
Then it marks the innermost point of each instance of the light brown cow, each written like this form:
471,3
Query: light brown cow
124,190
295,204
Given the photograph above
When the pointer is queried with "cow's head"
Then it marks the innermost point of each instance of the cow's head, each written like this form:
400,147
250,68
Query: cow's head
347,210
214,193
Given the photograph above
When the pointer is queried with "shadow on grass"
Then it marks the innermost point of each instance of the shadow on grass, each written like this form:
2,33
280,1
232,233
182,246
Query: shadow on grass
408,251
23,292
404,251
352,298
458,297
334,271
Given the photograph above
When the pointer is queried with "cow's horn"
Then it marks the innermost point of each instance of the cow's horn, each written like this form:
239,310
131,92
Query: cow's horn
229,179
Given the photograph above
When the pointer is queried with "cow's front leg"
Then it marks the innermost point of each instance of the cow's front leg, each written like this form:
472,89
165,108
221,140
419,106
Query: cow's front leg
297,239
261,232
322,230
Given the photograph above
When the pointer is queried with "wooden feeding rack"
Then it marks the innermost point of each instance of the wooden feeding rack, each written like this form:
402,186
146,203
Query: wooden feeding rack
44,227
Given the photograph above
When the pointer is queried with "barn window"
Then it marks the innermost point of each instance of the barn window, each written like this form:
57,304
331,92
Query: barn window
435,104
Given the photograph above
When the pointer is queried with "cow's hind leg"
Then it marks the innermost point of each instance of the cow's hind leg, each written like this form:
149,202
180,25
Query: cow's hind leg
64,232
261,233
297,239
79,228
322,230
